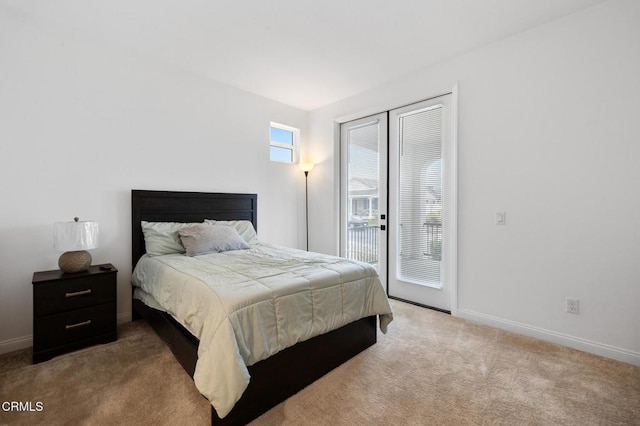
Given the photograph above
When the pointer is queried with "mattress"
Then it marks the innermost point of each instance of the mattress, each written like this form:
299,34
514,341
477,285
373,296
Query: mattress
246,305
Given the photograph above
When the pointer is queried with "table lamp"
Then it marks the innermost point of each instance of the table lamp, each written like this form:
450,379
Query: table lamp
74,239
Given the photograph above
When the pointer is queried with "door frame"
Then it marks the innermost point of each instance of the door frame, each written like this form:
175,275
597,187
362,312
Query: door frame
384,107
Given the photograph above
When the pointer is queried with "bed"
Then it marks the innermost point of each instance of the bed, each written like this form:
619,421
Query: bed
283,373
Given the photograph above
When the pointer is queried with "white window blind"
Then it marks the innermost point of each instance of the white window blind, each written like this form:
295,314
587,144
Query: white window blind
420,196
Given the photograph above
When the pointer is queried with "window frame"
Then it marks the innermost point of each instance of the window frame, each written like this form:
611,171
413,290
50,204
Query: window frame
293,147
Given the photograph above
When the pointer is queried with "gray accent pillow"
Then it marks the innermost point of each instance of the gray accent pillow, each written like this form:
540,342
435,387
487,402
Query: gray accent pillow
205,238
244,227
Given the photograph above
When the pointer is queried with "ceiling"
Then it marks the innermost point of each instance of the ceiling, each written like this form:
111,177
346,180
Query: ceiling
300,52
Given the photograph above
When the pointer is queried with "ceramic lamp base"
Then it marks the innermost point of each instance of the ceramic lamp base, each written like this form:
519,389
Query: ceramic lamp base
74,261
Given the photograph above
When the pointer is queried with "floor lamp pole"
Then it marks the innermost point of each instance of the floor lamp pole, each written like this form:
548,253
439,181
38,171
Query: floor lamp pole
306,205
306,167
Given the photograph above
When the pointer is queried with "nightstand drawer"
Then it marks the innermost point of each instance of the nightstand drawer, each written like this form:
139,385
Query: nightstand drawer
73,294
68,327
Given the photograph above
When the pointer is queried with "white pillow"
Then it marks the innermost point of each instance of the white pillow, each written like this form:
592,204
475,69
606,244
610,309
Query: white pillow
204,238
162,237
244,227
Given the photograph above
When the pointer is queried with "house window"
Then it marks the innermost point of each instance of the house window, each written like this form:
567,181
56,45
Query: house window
283,142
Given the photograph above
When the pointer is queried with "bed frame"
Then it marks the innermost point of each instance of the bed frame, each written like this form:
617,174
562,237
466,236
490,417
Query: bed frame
274,379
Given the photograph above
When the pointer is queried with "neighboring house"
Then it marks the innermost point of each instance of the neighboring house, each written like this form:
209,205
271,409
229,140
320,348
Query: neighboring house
363,197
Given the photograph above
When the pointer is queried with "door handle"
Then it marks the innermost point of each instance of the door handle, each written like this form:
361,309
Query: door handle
383,227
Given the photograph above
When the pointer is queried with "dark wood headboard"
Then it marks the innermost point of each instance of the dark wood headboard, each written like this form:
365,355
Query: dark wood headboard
177,206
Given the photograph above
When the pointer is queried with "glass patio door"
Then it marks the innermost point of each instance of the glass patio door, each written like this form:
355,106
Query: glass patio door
364,191
421,198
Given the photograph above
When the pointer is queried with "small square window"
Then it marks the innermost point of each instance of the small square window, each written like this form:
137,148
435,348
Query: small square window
283,140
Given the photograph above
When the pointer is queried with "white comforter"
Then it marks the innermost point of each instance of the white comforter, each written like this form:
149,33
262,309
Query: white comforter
246,305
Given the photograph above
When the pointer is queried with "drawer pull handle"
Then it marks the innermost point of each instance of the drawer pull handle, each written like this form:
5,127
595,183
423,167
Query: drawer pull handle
80,324
78,293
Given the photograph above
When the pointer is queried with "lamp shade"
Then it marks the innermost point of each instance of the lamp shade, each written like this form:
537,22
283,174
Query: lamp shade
305,167
74,236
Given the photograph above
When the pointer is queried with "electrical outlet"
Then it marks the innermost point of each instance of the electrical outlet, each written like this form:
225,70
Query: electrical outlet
573,305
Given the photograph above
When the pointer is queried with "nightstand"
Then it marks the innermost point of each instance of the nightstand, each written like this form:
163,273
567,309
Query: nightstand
71,311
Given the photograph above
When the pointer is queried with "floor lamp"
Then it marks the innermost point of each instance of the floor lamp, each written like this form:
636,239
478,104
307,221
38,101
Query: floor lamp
306,168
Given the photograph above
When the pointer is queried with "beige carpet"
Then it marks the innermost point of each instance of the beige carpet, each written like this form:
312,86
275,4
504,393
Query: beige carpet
133,381
430,369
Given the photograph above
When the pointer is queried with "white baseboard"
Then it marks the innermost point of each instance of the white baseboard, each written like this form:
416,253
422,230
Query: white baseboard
16,344
123,317
602,349
27,341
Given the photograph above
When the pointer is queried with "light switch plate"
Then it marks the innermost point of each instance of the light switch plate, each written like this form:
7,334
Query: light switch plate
501,218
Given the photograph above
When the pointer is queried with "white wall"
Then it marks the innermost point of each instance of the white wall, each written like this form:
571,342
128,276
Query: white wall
81,124
548,132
